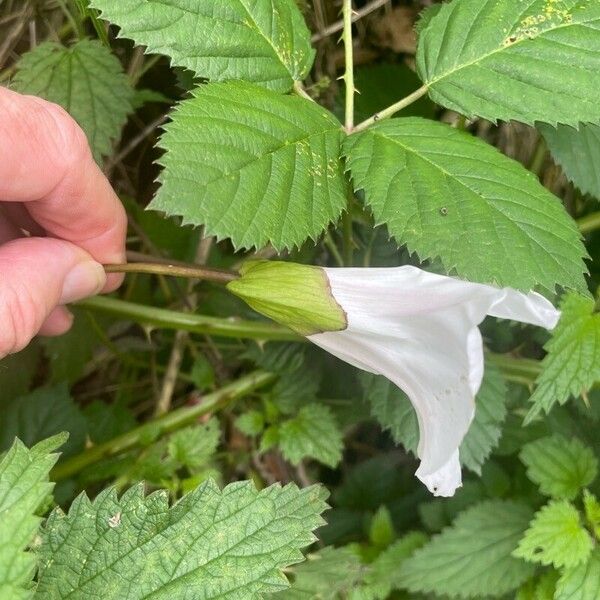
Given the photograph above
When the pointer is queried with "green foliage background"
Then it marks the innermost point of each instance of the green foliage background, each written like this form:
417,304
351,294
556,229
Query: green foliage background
268,468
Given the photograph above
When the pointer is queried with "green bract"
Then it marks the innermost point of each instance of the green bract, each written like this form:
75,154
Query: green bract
297,296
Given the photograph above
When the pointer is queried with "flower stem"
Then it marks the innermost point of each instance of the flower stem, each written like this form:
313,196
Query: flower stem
392,110
190,272
172,421
171,319
349,59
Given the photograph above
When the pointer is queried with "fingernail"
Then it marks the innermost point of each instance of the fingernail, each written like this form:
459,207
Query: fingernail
86,279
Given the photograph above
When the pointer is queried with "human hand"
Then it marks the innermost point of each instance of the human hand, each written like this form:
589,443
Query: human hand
59,220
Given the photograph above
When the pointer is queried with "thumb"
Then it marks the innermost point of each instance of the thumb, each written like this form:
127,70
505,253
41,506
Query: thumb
36,276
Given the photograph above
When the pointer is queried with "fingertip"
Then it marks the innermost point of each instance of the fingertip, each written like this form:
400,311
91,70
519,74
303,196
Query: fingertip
58,322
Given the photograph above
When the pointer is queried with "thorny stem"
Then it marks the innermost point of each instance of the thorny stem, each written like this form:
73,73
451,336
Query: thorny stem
392,110
174,270
172,421
349,61
202,324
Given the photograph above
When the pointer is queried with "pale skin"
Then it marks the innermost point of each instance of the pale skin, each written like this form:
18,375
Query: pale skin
60,220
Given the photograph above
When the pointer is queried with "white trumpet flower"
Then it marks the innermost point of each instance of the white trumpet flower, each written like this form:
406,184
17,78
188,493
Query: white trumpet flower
418,329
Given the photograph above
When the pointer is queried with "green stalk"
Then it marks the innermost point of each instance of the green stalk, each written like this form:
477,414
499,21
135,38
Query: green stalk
349,61
170,319
589,223
519,370
172,421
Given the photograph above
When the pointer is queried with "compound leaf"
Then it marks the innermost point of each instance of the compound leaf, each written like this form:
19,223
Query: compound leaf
526,61
252,165
264,42
446,194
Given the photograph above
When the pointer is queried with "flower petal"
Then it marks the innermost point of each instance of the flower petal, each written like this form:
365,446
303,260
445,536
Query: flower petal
420,331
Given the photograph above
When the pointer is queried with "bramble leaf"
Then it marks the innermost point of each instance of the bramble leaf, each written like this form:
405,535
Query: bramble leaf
24,487
252,165
87,80
572,364
514,60
210,544
263,42
561,467
448,195
577,151
556,537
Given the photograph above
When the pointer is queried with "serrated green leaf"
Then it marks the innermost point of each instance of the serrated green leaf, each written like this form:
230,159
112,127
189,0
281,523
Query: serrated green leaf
106,421
87,80
577,151
392,409
556,537
572,364
383,574
561,467
449,195
472,558
264,42
381,528
24,486
252,165
514,60
251,423
194,446
313,433
324,576
541,588
592,512
41,414
211,544
581,582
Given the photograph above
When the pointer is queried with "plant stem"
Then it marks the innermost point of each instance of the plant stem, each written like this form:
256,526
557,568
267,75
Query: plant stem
172,421
349,60
170,319
539,157
300,91
589,223
393,109
190,272
357,15
519,370
348,237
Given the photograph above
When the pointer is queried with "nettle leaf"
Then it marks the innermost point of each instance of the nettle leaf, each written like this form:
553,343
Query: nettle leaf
232,543
264,42
392,409
526,61
87,80
312,433
572,364
577,151
556,537
472,558
252,165
592,512
561,467
581,582
45,412
449,195
24,487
